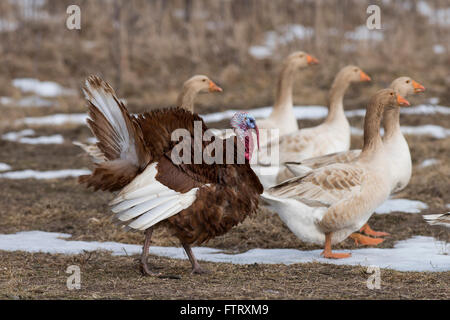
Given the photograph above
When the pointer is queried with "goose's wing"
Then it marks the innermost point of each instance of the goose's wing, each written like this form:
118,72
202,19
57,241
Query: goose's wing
317,162
323,186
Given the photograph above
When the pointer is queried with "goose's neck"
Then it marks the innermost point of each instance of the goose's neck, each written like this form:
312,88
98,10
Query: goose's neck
283,101
186,98
336,104
391,122
372,138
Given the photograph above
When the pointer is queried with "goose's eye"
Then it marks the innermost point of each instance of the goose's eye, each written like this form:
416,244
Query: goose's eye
407,81
204,80
301,56
392,94
356,70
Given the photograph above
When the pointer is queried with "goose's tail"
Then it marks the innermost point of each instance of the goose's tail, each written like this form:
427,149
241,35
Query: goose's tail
438,219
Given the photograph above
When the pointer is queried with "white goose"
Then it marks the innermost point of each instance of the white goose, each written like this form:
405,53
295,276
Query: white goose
282,116
395,145
328,204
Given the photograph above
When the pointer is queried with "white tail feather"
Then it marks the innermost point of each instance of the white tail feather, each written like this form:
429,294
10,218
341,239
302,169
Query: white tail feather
149,201
143,207
107,105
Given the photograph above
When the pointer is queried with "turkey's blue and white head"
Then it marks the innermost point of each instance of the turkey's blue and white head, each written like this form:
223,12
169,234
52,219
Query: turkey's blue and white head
243,124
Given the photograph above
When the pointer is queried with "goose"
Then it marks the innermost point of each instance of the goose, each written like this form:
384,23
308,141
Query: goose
282,116
196,202
328,204
395,145
438,219
333,135
191,88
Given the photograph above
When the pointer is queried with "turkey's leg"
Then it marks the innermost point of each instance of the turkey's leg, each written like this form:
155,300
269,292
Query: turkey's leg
144,256
196,269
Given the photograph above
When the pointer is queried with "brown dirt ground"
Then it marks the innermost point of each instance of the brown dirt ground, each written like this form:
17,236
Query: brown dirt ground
39,275
64,206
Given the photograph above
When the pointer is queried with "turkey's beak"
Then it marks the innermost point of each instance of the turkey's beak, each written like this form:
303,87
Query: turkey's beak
402,101
311,60
418,87
214,87
364,76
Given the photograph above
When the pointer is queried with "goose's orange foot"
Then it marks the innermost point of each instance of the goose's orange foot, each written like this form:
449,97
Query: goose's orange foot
368,230
363,240
333,255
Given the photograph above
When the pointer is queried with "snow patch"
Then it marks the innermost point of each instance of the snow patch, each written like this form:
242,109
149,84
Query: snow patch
260,52
428,162
42,88
4,167
44,175
363,33
435,16
432,130
27,102
415,254
401,205
438,49
284,35
23,137
318,112
55,119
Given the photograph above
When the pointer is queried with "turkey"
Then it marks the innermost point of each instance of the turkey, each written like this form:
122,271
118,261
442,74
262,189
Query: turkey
194,200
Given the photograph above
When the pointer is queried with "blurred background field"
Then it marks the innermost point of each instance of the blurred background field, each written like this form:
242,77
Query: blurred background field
146,49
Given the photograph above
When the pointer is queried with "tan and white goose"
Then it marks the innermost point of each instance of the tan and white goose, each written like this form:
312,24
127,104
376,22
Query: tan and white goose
329,203
333,135
282,116
192,87
186,99
395,144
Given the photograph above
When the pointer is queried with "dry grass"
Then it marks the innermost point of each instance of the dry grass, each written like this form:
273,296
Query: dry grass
31,276
146,49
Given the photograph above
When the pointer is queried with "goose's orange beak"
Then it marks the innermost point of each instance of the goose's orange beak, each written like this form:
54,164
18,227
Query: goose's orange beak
364,76
418,87
311,60
402,101
214,87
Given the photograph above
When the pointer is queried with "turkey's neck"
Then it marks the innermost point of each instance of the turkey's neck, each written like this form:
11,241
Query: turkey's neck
391,122
372,138
283,100
186,98
336,106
